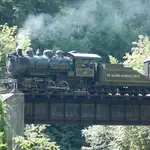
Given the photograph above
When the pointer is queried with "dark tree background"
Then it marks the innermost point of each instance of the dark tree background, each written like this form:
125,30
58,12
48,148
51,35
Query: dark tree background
106,27
114,24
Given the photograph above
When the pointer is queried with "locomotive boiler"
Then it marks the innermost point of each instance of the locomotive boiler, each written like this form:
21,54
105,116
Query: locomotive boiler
73,73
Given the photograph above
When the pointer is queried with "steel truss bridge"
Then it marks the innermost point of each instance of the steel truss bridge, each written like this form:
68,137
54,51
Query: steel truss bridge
82,110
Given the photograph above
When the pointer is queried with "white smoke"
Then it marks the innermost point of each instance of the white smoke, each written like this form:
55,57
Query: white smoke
112,14
63,25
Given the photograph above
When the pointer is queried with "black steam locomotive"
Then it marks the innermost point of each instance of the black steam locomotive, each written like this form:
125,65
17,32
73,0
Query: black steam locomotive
73,73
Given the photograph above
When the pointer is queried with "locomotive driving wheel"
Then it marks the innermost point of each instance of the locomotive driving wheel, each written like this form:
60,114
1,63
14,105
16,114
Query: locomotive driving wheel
63,85
50,86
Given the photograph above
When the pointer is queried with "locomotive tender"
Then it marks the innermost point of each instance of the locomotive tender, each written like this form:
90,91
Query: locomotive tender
75,73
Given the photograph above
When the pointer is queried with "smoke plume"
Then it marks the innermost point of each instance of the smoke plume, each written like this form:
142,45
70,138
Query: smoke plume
94,14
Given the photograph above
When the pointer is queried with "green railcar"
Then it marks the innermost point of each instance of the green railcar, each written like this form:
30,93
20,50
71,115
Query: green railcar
117,79
118,74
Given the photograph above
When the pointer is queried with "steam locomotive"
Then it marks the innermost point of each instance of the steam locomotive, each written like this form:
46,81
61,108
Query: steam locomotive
73,73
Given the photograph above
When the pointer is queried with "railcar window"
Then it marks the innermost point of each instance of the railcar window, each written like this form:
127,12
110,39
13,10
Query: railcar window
85,63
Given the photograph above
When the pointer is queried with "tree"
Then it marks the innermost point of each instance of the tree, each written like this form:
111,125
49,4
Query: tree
35,139
139,52
3,145
131,138
67,137
6,12
117,137
98,137
8,42
113,60
107,34
14,12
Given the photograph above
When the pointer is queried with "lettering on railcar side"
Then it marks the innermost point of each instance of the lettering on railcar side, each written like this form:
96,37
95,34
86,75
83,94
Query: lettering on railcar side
122,75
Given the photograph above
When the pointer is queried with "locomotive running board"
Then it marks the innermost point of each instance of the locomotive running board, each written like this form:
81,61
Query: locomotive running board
106,110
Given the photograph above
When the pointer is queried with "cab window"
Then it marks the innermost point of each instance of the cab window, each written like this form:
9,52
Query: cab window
87,64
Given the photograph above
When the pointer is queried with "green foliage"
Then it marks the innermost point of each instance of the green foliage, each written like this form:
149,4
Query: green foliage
74,44
113,34
108,36
98,137
3,145
35,139
81,45
9,40
140,52
113,60
131,138
2,116
14,12
118,137
67,137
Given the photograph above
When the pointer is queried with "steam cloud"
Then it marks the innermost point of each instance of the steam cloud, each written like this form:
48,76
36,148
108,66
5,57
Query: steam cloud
100,14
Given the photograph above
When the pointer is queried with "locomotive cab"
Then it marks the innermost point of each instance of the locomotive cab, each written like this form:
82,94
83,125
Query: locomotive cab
84,64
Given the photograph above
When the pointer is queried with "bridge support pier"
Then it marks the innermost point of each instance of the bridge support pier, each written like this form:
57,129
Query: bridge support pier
14,116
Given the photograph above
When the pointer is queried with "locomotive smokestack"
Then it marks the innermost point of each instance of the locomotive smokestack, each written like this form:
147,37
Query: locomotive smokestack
19,50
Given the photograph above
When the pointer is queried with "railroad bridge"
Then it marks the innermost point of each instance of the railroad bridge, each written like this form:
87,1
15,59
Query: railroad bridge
73,110
100,110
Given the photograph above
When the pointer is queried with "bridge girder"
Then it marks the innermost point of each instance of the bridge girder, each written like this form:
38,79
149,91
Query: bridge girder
101,110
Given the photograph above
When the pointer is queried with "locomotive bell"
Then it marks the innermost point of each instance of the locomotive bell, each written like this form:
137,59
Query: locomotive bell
147,67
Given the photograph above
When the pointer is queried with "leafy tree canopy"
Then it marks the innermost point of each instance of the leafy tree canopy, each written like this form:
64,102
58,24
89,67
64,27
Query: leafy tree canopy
9,40
139,52
3,145
35,139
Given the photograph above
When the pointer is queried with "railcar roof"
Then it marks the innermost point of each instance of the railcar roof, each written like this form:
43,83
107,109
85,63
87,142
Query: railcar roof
85,55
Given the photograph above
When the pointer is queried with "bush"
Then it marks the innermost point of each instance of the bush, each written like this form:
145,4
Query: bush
3,145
